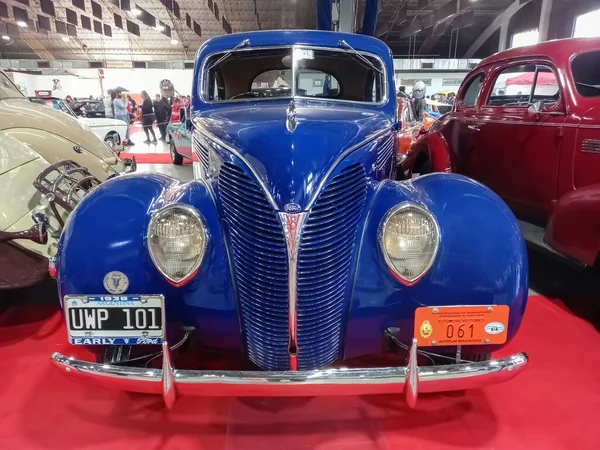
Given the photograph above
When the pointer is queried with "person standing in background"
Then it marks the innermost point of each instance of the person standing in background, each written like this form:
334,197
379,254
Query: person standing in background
121,113
161,110
148,117
108,104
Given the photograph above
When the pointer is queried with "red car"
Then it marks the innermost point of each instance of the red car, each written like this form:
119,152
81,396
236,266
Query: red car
526,122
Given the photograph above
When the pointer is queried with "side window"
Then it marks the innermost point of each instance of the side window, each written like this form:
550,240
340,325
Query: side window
524,84
472,92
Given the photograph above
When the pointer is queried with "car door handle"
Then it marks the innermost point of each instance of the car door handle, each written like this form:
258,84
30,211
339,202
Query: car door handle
473,128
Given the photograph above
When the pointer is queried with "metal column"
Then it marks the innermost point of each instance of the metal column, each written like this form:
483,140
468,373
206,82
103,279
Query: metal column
544,20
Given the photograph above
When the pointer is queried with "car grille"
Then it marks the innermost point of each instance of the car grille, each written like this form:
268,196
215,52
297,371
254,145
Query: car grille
261,271
386,151
202,153
590,146
324,261
260,262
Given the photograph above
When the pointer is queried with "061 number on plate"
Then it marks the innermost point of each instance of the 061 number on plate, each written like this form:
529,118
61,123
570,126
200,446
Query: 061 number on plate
461,325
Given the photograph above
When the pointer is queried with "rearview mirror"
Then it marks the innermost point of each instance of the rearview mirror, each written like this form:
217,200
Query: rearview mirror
537,108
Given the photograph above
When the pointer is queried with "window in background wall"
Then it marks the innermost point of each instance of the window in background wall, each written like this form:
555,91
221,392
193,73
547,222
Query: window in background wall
525,38
451,81
586,25
409,82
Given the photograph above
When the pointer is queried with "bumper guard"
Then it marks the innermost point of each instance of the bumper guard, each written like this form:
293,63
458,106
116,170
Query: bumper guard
412,380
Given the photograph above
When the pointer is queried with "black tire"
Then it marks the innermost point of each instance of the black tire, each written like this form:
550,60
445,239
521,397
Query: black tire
425,167
112,140
175,157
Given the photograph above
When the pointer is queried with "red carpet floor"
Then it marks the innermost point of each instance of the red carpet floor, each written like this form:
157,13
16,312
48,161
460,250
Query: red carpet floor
554,404
151,158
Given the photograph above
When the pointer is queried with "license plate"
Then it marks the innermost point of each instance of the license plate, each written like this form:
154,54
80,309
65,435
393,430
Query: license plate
115,319
461,325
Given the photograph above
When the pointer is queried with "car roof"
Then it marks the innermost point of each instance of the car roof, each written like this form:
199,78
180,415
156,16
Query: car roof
558,50
314,38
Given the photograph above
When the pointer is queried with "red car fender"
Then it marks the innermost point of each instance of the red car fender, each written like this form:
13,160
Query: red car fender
574,225
436,148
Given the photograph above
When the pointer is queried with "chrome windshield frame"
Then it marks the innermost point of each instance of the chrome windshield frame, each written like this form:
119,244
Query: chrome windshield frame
203,91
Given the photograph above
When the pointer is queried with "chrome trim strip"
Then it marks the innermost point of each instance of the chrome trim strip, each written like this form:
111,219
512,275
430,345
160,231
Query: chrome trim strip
411,384
423,210
168,381
195,213
515,122
590,146
292,227
326,382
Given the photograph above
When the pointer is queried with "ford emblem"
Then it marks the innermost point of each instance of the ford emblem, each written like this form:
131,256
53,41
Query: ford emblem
494,328
292,208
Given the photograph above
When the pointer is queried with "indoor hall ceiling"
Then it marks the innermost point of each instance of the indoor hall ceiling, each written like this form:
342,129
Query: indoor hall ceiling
121,32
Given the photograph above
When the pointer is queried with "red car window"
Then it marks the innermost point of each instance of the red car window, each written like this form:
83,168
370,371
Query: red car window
472,91
521,85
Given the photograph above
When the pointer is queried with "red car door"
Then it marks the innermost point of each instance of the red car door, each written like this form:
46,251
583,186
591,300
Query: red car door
516,149
463,124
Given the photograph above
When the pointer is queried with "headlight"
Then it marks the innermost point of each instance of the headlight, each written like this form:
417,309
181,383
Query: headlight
409,238
177,240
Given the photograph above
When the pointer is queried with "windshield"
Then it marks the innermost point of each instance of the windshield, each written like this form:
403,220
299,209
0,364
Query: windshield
294,71
586,74
55,103
8,88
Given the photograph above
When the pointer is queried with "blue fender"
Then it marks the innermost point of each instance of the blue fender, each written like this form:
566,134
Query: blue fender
481,260
107,231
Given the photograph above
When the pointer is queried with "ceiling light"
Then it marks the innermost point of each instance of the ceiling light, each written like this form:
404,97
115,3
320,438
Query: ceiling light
160,27
22,24
65,38
6,38
174,42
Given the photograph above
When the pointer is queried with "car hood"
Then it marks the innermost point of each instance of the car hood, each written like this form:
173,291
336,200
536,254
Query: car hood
21,113
19,166
101,122
291,164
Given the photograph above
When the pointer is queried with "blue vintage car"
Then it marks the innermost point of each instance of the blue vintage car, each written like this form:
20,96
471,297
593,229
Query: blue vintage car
294,252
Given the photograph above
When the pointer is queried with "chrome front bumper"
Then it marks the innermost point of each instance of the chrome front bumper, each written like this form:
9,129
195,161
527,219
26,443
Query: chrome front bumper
411,379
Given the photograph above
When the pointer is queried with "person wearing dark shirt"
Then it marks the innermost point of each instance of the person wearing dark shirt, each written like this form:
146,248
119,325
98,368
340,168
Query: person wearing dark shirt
161,110
148,117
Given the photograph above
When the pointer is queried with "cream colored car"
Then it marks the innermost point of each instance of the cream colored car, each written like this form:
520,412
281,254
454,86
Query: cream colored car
55,136
31,220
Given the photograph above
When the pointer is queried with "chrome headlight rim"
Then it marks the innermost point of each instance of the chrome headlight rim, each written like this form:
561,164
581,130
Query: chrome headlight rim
194,212
405,206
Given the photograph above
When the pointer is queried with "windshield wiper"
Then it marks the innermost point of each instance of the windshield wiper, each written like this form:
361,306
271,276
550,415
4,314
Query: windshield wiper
595,86
242,44
343,43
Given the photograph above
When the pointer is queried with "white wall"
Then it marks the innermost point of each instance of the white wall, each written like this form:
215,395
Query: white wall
436,78
87,81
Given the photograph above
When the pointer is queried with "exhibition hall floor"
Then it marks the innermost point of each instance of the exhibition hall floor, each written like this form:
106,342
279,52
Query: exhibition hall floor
553,404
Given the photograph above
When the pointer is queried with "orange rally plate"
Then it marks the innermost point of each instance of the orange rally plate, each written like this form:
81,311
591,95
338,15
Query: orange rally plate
461,325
